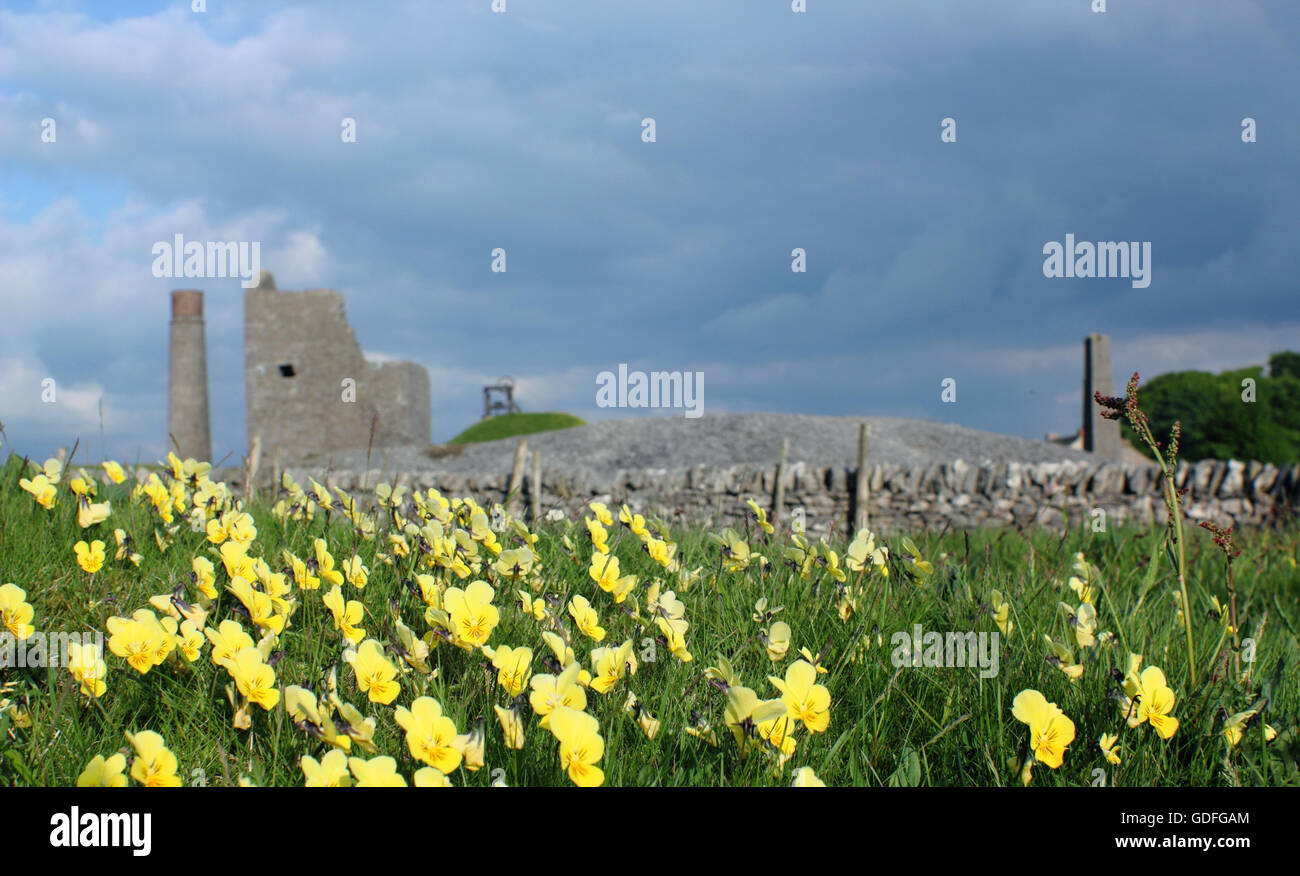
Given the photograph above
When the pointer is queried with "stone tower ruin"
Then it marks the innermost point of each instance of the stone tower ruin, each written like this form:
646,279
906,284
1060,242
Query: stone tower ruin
1100,435
310,389
188,424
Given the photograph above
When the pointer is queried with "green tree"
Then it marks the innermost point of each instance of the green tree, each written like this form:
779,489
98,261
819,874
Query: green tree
1284,364
1219,421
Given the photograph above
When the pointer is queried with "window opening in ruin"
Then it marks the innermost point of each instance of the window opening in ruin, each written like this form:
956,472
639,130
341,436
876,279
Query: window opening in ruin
286,371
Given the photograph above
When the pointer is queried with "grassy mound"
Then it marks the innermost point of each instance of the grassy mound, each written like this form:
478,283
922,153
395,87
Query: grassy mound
509,425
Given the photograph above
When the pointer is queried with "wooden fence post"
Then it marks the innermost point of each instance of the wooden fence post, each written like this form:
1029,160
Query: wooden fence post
861,488
516,476
250,468
535,487
778,490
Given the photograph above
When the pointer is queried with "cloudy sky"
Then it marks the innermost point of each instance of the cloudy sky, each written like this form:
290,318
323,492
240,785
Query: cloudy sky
523,130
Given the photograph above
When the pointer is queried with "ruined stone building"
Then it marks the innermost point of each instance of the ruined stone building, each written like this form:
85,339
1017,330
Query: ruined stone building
309,388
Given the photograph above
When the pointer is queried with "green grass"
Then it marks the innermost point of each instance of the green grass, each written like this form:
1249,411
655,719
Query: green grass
510,425
930,726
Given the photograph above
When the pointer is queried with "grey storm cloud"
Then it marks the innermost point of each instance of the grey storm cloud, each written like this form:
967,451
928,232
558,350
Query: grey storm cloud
775,130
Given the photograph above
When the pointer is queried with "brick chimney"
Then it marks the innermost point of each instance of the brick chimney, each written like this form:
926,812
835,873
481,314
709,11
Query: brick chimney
187,387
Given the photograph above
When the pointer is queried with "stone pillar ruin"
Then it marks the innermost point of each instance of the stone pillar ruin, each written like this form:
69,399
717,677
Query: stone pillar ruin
187,384
1100,436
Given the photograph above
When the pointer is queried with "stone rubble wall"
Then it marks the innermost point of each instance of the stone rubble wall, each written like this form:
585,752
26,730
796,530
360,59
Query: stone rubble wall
957,494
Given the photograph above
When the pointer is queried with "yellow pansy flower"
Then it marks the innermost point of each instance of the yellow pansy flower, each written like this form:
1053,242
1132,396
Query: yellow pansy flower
1155,701
430,777
777,640
90,513
346,617
1234,728
227,641
1050,731
355,572
674,630
114,471
331,771
88,668
16,614
102,773
376,676
581,746
599,535
255,680
1001,612
430,735
42,489
378,772
325,564
90,557
512,726
586,619
605,572
514,666
609,665
806,701
140,640
804,777
550,692
515,564
473,616
1109,748
745,712
153,766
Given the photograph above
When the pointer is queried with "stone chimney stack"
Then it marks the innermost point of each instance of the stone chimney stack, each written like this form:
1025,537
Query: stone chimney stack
1100,436
187,389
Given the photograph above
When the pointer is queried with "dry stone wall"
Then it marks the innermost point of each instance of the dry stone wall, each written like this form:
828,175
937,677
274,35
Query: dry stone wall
956,494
